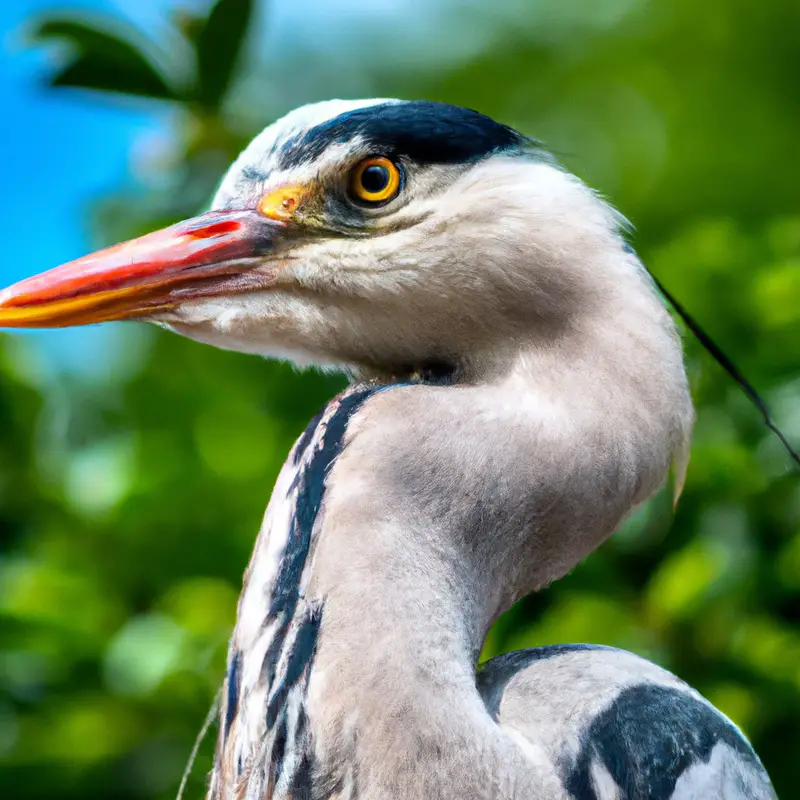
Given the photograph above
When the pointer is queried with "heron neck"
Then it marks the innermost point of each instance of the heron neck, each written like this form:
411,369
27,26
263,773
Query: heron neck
447,504
407,519
392,698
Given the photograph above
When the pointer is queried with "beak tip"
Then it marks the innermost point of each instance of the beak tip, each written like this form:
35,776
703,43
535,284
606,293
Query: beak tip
9,295
5,297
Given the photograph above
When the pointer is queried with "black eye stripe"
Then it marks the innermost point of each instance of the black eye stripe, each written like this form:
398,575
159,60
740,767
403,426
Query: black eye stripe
421,131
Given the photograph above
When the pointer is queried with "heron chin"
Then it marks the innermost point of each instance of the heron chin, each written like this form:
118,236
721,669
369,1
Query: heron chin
517,388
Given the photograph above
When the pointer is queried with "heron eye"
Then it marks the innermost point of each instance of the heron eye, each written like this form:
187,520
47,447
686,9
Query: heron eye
374,181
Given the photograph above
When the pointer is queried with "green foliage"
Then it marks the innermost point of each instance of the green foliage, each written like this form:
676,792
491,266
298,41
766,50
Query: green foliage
129,501
218,43
103,60
106,55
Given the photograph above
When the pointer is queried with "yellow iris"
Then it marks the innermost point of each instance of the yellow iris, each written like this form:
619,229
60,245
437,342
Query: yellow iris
375,180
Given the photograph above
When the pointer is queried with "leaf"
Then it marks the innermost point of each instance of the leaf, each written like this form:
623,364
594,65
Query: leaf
103,61
218,44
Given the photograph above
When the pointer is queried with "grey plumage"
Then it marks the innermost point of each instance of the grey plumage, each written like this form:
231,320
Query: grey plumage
565,405
517,389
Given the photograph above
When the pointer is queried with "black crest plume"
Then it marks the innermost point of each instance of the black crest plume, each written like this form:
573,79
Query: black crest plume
725,362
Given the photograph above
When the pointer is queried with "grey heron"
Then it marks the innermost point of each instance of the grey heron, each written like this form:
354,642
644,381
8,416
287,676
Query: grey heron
518,387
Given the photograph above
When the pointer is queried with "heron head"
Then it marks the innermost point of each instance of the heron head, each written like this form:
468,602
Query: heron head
380,234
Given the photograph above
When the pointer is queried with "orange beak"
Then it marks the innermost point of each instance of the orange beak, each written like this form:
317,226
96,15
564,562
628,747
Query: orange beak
212,254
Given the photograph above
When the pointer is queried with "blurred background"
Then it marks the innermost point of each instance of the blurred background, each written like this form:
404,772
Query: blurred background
135,466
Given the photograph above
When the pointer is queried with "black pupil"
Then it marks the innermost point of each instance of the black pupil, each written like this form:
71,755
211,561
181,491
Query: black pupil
375,178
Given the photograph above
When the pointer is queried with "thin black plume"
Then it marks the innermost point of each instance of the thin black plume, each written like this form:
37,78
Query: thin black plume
724,361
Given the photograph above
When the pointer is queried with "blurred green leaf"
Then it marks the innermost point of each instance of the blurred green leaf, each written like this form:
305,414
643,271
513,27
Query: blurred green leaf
143,653
103,60
683,581
218,43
